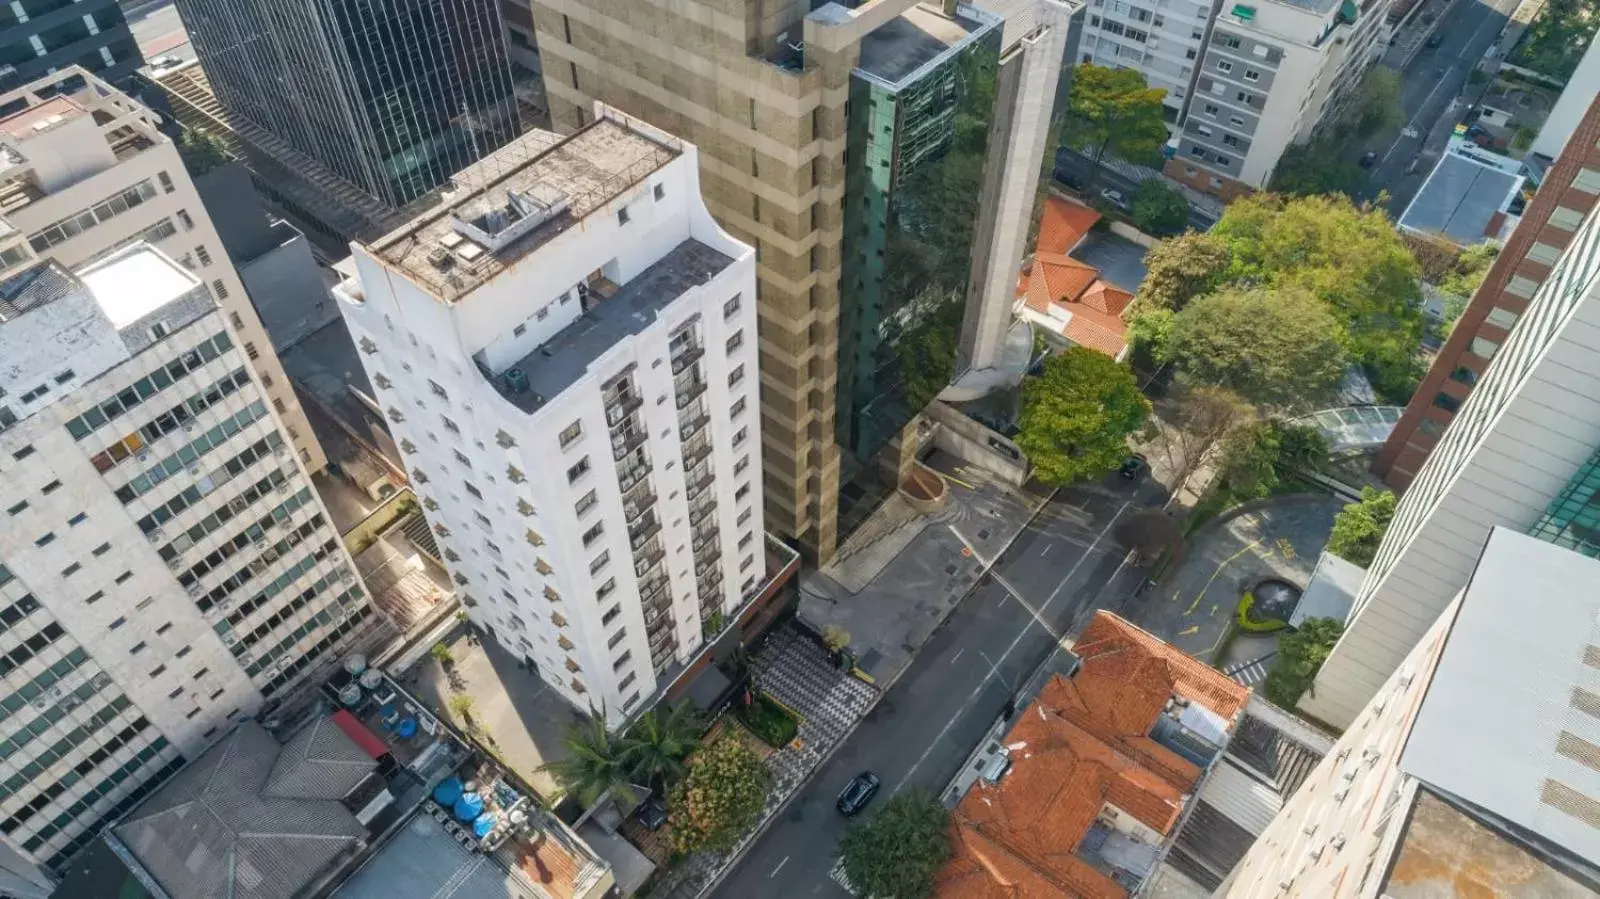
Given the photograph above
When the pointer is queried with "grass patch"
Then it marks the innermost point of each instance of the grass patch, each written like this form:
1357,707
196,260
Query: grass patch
775,723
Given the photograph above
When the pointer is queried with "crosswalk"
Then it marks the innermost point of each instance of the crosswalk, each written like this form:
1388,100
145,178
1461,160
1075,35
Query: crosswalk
1251,672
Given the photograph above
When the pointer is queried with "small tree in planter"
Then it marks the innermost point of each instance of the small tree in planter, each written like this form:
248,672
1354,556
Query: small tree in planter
442,654
720,798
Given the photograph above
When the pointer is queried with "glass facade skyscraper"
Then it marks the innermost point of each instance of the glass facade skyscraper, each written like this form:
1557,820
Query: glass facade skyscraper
40,36
393,96
1573,519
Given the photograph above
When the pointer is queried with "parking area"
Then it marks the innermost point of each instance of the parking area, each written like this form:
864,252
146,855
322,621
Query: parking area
1120,261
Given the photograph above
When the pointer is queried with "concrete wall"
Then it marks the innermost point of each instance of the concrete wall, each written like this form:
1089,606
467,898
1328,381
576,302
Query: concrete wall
969,440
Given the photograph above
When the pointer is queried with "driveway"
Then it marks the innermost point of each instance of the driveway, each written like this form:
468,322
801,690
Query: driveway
1120,261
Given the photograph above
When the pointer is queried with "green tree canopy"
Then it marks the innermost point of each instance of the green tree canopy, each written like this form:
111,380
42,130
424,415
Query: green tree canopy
596,761
1279,349
1322,166
1150,337
1557,37
1360,526
1375,105
200,152
1254,459
1077,415
1158,207
656,745
1349,257
1181,268
1114,112
720,798
1301,653
898,850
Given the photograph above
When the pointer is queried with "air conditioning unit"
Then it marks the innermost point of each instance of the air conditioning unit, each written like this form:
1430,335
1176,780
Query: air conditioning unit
157,533
174,565
188,427
142,456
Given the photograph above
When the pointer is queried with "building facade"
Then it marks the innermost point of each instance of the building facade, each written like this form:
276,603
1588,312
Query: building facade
1523,435
1164,41
393,97
87,173
1569,192
39,37
166,566
1271,73
765,91
565,350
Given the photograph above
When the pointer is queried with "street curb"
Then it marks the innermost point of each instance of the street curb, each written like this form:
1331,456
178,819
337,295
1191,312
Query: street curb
744,848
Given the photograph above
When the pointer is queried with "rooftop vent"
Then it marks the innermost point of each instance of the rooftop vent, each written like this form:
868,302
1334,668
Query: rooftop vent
440,258
497,220
516,380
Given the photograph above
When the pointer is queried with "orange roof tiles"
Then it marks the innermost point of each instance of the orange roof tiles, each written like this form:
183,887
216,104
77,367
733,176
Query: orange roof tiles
1056,279
1062,224
1082,744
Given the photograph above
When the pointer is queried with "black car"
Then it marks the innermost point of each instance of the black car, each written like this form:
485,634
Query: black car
857,793
1369,159
652,814
1135,467
1434,40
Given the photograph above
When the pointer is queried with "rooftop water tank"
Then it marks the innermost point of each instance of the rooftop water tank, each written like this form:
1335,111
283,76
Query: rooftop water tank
516,380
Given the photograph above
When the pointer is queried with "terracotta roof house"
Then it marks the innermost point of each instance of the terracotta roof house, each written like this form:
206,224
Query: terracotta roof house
1102,766
1068,297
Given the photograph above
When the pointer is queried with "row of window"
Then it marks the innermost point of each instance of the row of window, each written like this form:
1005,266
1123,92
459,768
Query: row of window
47,795
187,455
244,538
30,647
60,748
277,618
53,713
214,522
259,564
23,694
104,788
278,585
81,221
334,638
115,813
136,393
15,612
209,484
170,421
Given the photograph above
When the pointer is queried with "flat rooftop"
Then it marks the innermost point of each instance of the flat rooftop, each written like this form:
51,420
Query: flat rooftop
136,282
1461,200
562,360
41,117
585,171
898,48
421,861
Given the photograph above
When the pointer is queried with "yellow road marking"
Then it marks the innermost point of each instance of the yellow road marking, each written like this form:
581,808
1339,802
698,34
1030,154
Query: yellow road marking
1225,563
1189,631
951,477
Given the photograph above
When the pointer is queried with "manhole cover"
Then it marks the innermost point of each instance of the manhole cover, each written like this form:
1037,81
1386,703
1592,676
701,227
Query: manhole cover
983,534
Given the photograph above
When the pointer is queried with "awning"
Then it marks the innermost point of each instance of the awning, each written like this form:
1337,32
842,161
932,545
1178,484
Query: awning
355,730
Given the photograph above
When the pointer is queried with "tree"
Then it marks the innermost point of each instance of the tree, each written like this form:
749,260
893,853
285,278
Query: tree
1375,105
1077,415
1301,653
1149,531
1472,266
1360,526
441,653
655,747
200,152
1181,268
720,798
1159,208
1322,166
1113,111
1280,349
1557,37
596,761
1348,257
899,849
461,705
1202,416
1150,337
1254,459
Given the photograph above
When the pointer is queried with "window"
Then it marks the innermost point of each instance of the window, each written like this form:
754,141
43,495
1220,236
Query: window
18,508
1588,181
124,577
251,351
731,307
570,433
138,648
1212,109
1224,160
119,622
1230,140
742,492
46,540
577,471
1197,151
462,458
600,562
741,465
220,289
1229,41
593,534
159,330
50,488
476,493
611,614
450,425
543,313
622,660
1543,253
736,341
1464,375
1522,287
157,671
737,409
1501,318
202,254
1204,130
1482,346
660,192
65,376
71,570
622,216
102,549
586,503
1252,75
185,220
1236,121
437,390
182,652
737,375
1224,66
740,436
78,519
519,330
94,597
1447,402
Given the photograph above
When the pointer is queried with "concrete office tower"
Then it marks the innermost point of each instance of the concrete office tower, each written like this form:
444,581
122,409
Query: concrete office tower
86,172
1272,72
38,38
565,349
763,89
1163,41
1521,438
1568,193
1473,771
165,565
392,96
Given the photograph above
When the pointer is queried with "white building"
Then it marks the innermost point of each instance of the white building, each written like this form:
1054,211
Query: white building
1271,73
165,566
1475,770
1521,453
1163,39
83,171
566,351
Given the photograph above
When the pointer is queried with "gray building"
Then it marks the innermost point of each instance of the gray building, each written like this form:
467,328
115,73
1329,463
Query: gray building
38,37
393,97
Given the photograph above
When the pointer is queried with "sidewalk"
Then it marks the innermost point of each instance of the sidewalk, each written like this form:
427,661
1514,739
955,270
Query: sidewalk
891,594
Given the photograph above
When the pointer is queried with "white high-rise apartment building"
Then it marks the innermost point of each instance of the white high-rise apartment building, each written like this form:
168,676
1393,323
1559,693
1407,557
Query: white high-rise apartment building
83,171
165,565
1523,452
566,351
1163,39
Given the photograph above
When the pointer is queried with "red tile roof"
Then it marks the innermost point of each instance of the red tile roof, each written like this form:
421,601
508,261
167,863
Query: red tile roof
1082,744
1056,279
1062,224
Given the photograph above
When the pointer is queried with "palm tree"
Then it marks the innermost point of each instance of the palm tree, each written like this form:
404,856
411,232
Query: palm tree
595,763
657,744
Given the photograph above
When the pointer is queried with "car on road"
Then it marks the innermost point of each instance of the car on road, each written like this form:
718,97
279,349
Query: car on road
1114,197
1369,159
857,793
1433,41
1134,467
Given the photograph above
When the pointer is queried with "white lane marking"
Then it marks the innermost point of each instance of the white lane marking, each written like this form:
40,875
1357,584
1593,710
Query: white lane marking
779,868
1046,551
1037,617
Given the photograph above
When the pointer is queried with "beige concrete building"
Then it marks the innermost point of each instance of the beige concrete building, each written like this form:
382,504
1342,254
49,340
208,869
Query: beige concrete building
762,89
84,172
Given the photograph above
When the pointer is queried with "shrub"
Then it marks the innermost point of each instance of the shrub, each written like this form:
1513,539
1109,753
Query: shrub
770,720
1300,656
442,654
1249,622
721,797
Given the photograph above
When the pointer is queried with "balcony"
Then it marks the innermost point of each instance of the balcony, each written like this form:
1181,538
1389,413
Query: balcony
639,503
699,511
621,406
626,442
696,450
708,556
692,426
688,389
641,533
631,476
699,482
686,356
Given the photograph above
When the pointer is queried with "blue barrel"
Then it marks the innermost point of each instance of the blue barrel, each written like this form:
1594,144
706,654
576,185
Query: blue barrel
484,824
448,791
469,807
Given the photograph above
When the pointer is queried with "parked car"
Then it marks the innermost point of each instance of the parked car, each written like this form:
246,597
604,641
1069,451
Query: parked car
1114,197
1434,40
1134,467
857,793
1369,159
652,813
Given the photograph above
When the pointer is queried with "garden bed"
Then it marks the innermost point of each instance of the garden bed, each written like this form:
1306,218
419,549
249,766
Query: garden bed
772,721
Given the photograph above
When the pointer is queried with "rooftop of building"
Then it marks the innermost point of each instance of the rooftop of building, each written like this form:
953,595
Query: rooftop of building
1331,592
532,192
898,50
633,307
133,283
1129,733
1522,689
1466,198
1068,294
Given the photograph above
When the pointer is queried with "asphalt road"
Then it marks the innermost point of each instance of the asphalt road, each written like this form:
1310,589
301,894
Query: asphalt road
1430,92
922,731
1072,170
